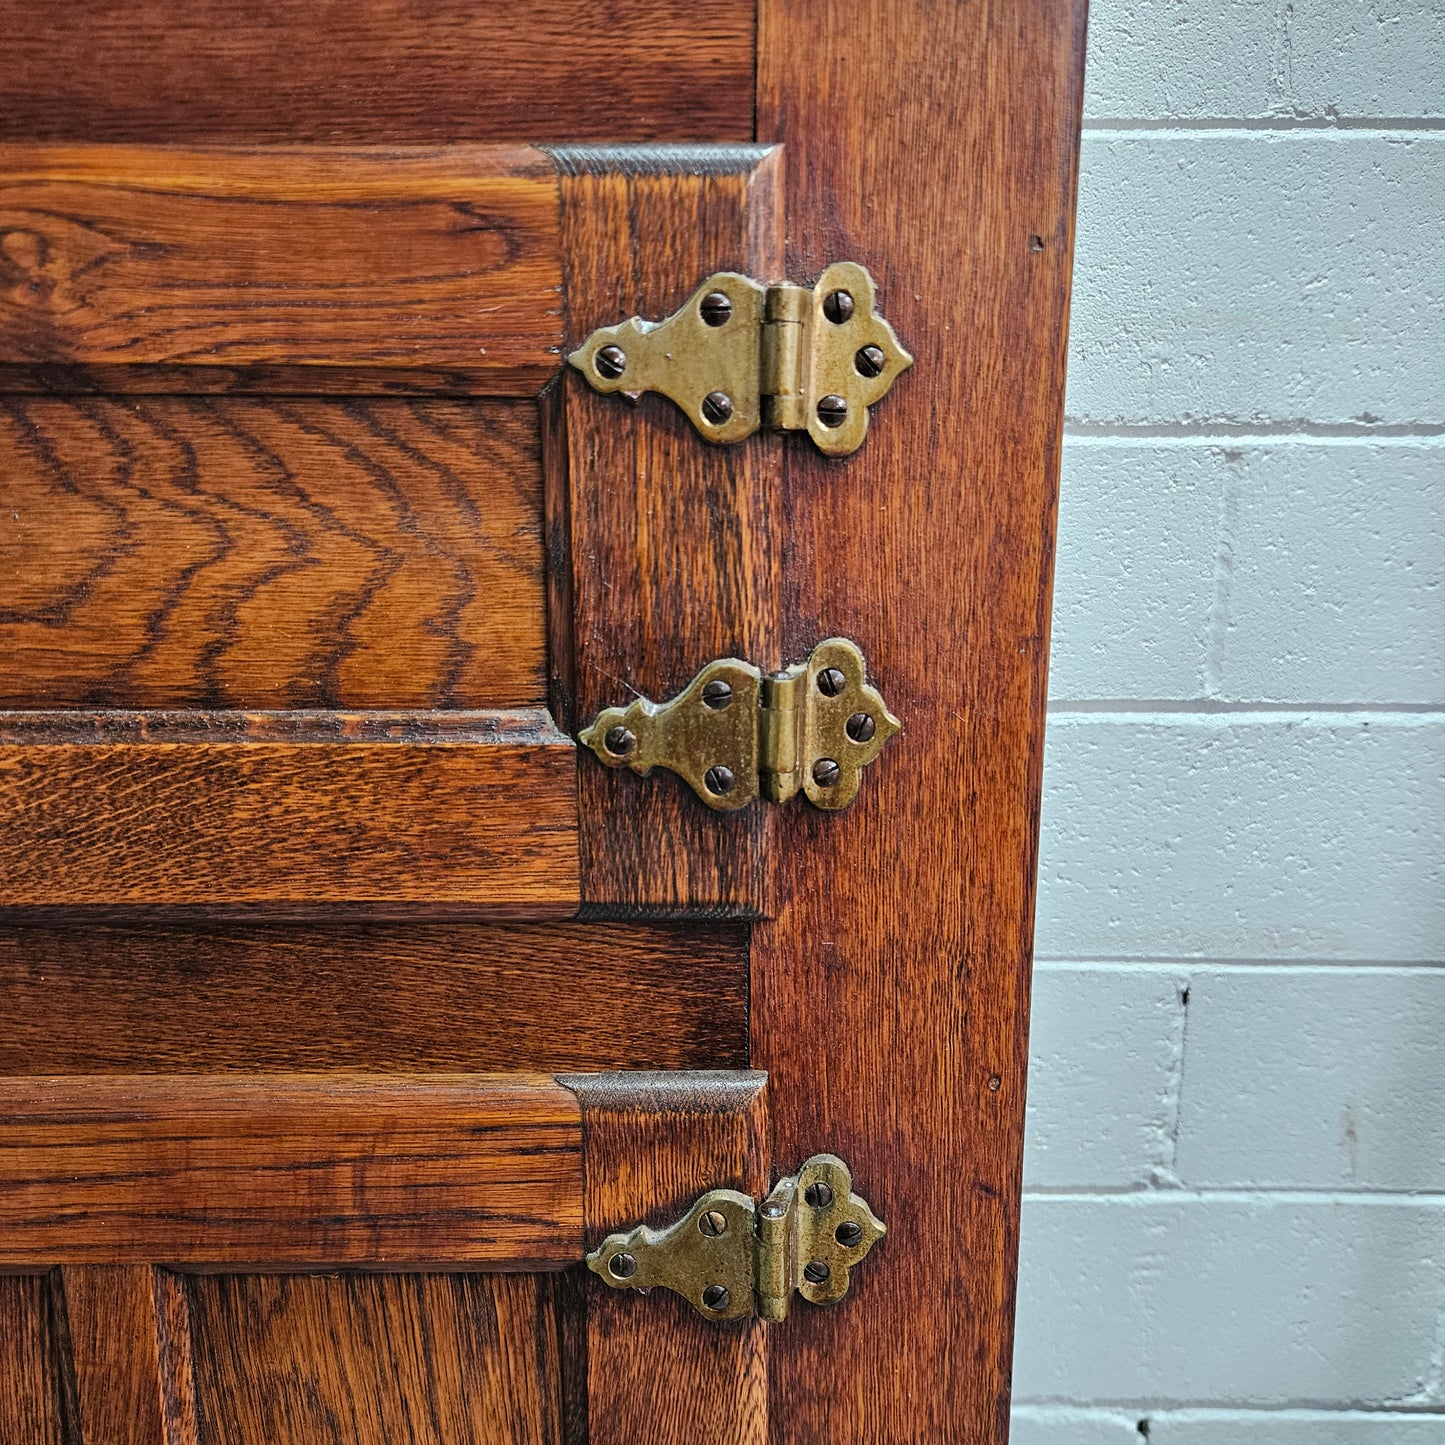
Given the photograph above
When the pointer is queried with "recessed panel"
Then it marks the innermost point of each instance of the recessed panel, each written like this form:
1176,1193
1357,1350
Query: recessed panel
223,552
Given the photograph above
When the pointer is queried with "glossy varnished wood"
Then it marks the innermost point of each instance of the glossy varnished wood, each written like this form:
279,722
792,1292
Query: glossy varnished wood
937,145
390,1359
128,256
128,1348
670,540
290,1170
228,552
376,71
88,994
657,1373
231,807
33,1393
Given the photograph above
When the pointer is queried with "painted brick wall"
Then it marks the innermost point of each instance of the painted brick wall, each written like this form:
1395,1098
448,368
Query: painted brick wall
1234,1226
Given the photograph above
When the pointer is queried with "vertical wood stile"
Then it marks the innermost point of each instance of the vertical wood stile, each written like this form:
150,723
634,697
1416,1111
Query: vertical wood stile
657,1372
130,1350
937,145
671,541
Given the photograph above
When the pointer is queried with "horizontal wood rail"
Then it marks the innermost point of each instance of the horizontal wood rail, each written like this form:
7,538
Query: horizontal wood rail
299,1170
315,1171
433,268
251,808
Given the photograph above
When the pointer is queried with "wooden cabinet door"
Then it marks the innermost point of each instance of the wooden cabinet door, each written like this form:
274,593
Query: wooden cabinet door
347,1003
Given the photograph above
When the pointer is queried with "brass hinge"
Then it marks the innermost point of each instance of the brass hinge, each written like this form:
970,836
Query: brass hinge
730,1258
740,355
736,735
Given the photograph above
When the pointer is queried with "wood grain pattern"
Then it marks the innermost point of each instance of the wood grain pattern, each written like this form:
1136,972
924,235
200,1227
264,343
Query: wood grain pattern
237,808
946,164
657,1372
377,70
399,1359
196,552
671,542
128,1331
324,258
130,994
32,1393
290,1170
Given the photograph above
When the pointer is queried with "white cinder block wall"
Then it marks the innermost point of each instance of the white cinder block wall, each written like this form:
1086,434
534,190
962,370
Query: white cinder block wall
1234,1225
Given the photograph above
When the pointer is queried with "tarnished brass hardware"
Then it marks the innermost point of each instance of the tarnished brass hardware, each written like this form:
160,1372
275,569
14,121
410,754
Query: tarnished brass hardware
730,1258
736,736
741,355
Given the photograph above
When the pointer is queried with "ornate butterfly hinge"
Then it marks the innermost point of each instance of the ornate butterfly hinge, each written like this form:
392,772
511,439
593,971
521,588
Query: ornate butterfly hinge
740,356
730,1258
736,735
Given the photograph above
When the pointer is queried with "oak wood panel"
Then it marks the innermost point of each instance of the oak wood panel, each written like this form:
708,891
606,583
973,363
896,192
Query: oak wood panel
657,1372
128,1331
401,1359
249,808
671,540
314,258
298,1170
936,144
377,70
199,552
32,1386
88,995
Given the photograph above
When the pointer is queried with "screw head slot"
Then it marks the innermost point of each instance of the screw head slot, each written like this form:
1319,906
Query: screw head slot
826,772
622,1266
869,361
713,1223
610,362
716,308
719,779
831,681
860,727
620,741
717,694
838,306
816,1271
717,407
716,1298
848,1233
819,1195
832,410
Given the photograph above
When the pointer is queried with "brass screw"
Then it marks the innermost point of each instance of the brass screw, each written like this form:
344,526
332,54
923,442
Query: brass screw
718,779
717,407
713,1223
620,741
848,1233
623,1266
610,362
860,727
716,1297
826,772
838,307
870,360
819,1195
832,410
816,1271
831,681
717,694
716,308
